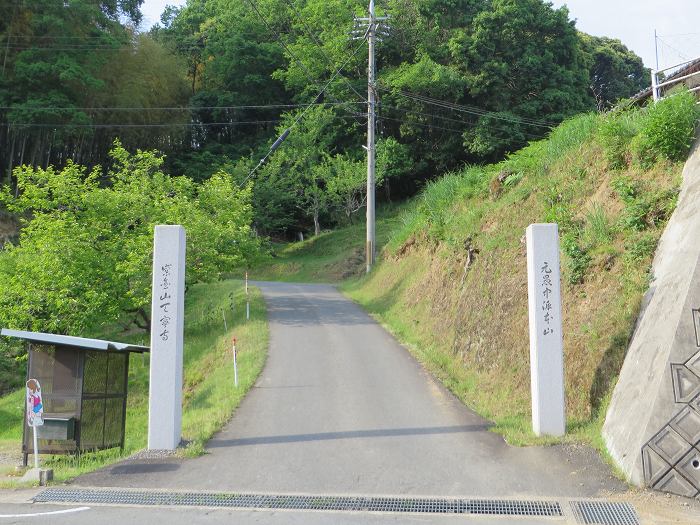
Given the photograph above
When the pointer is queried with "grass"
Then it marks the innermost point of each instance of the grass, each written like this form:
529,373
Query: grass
451,279
209,394
329,257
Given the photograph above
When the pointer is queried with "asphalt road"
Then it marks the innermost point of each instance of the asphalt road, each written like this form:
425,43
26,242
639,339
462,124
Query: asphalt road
342,408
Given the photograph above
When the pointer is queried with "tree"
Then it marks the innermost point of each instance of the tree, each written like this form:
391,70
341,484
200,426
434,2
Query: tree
84,254
523,63
615,72
296,164
345,184
53,55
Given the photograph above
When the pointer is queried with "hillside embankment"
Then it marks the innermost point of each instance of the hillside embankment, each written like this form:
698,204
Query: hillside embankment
451,283
657,398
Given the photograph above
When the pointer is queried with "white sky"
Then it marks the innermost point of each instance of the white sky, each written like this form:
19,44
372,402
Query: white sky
152,9
632,21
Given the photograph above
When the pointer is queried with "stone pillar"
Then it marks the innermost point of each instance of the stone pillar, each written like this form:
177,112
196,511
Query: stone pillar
546,341
167,327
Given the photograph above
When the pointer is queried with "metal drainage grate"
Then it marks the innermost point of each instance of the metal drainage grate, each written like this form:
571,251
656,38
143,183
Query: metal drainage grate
340,503
604,513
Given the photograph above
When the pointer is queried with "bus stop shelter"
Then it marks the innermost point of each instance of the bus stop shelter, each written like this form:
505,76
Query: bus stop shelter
84,390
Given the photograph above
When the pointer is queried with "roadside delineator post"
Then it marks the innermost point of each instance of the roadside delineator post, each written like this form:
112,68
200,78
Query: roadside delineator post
546,337
235,365
247,299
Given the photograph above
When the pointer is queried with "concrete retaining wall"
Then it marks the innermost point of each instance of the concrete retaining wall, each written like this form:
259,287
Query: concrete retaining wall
653,422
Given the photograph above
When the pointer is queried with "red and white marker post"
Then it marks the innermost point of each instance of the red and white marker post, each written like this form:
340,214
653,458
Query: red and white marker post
247,299
235,365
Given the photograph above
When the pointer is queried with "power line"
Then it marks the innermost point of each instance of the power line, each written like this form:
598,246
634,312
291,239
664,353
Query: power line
491,126
176,108
453,105
678,52
467,109
157,125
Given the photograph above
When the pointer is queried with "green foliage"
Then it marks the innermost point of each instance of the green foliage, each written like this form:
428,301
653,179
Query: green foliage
474,53
577,259
644,207
641,247
615,134
668,130
84,254
62,62
615,72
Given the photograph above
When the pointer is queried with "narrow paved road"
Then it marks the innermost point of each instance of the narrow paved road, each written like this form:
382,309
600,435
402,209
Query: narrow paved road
342,408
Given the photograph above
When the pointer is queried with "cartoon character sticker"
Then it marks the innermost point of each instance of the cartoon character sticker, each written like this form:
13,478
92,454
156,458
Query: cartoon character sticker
35,408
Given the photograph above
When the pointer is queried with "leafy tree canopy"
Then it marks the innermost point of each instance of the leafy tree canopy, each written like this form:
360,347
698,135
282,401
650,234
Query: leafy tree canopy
85,250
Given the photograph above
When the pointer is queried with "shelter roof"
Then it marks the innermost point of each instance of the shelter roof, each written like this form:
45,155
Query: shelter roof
74,342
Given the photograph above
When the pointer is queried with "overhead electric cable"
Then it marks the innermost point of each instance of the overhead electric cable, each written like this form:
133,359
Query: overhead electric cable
469,124
156,125
173,108
466,109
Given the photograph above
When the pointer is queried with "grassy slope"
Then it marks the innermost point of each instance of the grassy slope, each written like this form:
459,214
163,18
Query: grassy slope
209,393
329,257
466,318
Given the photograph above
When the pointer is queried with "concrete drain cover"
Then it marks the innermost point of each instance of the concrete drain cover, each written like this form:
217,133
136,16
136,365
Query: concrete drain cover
604,513
495,507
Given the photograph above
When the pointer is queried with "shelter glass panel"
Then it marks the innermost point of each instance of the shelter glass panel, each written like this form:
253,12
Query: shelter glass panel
92,424
116,371
95,375
114,416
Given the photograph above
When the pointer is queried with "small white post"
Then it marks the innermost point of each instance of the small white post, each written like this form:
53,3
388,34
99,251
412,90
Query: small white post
654,85
247,299
167,331
223,312
36,448
546,338
235,365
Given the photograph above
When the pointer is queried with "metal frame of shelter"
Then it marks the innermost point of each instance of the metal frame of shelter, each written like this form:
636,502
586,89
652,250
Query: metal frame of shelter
84,391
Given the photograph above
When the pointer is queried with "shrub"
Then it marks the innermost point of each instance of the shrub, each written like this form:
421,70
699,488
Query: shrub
669,128
84,254
643,208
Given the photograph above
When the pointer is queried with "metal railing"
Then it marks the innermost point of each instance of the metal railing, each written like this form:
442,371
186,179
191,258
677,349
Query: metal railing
658,88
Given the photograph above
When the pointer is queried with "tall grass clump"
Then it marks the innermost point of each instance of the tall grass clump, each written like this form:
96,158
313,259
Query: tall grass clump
571,133
434,213
615,133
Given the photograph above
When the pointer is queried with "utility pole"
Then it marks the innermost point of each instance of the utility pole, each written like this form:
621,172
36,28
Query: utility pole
372,29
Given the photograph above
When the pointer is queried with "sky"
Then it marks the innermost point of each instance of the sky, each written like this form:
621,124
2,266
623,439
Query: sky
631,21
